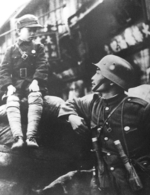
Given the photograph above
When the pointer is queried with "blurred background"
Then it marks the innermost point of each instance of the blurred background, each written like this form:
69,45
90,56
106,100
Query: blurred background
77,33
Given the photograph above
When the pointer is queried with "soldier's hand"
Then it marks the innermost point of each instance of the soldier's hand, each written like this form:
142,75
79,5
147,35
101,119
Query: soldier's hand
10,90
78,124
34,86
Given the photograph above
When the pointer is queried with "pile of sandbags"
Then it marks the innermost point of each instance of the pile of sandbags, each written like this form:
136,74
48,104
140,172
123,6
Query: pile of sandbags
61,150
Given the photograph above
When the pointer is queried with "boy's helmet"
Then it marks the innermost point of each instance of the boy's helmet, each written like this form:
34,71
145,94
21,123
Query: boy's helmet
117,70
27,21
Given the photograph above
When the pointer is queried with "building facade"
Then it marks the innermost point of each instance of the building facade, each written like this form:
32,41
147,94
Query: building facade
78,33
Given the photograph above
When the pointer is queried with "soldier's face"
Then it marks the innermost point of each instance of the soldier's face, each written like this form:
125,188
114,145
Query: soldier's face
99,82
27,34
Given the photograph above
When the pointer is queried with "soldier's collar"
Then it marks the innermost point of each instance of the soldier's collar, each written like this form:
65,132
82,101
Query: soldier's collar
114,100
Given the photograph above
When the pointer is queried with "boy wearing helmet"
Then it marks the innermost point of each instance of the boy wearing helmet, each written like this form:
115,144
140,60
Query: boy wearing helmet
24,74
111,117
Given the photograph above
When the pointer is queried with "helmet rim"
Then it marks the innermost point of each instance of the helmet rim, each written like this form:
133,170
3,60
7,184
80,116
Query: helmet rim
110,64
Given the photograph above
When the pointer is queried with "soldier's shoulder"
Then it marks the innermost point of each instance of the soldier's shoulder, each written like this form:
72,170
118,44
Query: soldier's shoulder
92,96
137,100
87,98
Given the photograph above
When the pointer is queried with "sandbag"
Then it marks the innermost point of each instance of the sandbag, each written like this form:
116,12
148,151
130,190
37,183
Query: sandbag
73,183
61,150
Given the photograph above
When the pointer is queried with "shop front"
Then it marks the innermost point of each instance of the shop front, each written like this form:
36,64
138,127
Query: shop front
112,27
133,44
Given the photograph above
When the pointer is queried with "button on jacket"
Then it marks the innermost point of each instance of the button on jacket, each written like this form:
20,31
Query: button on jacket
129,123
18,71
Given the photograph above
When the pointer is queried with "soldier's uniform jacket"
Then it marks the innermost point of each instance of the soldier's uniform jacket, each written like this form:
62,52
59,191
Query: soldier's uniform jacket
129,123
20,70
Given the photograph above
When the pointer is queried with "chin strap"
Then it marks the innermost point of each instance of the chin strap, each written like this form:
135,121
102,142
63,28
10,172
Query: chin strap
96,87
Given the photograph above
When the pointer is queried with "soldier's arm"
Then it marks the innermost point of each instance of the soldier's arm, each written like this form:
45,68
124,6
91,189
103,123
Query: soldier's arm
77,111
77,106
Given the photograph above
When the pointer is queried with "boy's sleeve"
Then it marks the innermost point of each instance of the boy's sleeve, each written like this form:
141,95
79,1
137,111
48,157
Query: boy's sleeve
6,70
41,72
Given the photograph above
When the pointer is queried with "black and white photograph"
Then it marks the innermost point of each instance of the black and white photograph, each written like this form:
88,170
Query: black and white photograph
74,97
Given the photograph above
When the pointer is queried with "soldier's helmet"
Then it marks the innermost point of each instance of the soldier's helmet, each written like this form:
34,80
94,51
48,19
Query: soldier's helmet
117,70
27,21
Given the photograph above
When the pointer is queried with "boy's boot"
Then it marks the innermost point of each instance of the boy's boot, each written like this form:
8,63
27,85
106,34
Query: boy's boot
14,118
35,109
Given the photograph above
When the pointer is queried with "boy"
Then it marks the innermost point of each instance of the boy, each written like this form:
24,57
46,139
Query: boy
24,73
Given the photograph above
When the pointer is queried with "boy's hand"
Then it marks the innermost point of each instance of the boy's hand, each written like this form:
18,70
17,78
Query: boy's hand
34,86
10,90
78,124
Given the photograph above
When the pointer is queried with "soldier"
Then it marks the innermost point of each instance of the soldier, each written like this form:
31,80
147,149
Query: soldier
24,74
120,128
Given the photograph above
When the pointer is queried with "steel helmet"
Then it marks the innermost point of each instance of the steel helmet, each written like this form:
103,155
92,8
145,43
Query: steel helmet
117,70
27,21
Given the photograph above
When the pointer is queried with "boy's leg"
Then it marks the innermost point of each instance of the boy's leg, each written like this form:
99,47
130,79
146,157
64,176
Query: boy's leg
14,118
35,108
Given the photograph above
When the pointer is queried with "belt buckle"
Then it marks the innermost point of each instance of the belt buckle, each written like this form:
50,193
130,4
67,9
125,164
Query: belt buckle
24,55
23,72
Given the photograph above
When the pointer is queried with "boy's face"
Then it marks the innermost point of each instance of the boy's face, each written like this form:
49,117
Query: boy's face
27,34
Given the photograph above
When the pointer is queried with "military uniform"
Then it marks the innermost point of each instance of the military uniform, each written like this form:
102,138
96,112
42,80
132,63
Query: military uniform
24,73
130,121
20,72
114,118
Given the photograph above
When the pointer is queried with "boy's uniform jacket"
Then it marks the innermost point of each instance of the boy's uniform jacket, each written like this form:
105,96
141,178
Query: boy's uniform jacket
20,72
